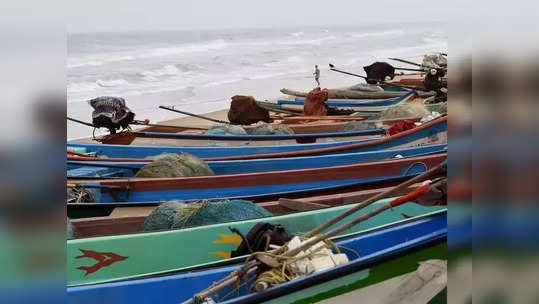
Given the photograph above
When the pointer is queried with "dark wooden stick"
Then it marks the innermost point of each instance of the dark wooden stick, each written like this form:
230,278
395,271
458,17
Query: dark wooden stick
80,121
194,115
142,123
408,69
381,82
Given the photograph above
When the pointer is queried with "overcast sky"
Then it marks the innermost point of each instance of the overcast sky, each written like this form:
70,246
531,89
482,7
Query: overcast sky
134,15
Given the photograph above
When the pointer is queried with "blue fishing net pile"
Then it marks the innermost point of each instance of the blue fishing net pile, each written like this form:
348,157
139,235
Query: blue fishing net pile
225,129
262,128
178,215
440,107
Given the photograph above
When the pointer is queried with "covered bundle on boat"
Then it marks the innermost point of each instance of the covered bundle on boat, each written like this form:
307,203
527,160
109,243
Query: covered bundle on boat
244,111
378,72
315,103
111,113
177,215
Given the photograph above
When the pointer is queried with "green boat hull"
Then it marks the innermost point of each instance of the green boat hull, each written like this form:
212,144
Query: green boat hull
104,259
365,278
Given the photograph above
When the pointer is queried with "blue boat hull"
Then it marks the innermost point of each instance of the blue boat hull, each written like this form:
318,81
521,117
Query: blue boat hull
262,189
209,152
353,102
373,247
126,169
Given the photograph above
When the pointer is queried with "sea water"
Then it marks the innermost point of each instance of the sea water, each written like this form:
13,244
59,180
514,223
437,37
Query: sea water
199,71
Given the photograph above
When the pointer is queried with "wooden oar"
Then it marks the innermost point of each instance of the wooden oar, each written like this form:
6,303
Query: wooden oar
345,118
142,123
81,122
357,75
408,69
380,82
194,115
252,266
416,64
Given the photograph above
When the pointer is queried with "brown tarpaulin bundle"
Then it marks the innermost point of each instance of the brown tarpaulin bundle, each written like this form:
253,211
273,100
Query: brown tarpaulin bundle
315,103
244,111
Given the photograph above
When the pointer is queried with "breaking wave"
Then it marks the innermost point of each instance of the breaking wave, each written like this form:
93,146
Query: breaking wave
111,83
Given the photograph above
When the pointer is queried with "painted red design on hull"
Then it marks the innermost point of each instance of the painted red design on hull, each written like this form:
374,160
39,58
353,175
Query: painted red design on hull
103,259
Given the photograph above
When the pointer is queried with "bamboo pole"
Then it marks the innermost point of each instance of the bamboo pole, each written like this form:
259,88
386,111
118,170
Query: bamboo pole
194,115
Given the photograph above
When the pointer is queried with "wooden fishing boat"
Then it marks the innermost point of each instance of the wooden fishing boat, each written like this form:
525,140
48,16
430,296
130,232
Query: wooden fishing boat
196,140
374,255
126,220
253,184
110,168
86,210
299,124
349,94
347,107
352,103
432,132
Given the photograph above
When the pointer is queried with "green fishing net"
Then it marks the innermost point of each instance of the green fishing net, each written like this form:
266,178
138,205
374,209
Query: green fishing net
175,165
178,215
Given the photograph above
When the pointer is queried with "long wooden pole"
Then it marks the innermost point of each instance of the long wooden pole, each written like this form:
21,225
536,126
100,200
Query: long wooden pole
80,121
194,115
142,123
139,123
424,176
381,82
252,266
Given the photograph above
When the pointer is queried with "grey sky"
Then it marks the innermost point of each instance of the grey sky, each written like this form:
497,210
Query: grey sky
134,15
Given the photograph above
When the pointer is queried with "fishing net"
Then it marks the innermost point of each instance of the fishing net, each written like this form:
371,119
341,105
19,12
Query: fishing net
407,110
244,111
178,215
225,129
359,126
175,165
365,87
263,128
78,194
434,60
440,107
315,102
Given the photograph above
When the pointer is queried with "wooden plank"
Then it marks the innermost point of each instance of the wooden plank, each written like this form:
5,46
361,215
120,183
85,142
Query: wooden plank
131,211
299,205
422,285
